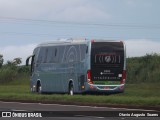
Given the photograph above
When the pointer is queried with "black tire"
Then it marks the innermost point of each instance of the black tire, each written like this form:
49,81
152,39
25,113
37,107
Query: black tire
39,88
71,91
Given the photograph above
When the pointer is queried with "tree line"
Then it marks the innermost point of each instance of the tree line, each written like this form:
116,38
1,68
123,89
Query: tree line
145,69
15,61
12,69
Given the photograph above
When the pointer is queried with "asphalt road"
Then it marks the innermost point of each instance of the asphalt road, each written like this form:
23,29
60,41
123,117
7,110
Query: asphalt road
68,112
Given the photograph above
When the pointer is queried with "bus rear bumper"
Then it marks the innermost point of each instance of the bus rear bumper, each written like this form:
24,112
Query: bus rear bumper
92,88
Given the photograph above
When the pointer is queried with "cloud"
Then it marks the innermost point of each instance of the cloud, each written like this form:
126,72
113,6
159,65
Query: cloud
11,52
62,10
138,3
141,47
130,3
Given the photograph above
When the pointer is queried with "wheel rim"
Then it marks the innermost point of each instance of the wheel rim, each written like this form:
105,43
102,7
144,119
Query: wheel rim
71,90
39,89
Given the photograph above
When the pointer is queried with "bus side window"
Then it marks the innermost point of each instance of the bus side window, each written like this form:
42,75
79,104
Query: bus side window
40,56
36,55
45,55
72,53
55,55
61,53
78,53
55,52
84,51
49,55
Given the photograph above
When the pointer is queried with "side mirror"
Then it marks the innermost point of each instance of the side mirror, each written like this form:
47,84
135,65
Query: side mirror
27,60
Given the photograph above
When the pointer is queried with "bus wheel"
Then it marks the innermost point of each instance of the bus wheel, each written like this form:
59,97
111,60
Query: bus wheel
71,89
39,88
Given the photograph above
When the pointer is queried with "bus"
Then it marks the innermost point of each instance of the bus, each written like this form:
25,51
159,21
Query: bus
78,66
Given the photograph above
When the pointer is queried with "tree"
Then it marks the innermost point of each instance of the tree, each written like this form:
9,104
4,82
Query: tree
17,61
1,60
14,62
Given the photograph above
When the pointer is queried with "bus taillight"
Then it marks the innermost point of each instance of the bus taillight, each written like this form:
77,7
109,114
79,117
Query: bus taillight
92,41
123,77
89,77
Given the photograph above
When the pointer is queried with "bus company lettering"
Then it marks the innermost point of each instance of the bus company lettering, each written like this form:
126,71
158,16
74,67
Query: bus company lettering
22,115
105,78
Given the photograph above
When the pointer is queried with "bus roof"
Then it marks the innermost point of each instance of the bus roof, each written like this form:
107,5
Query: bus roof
64,42
74,41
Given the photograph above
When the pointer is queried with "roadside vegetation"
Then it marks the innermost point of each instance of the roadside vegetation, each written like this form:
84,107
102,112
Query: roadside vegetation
142,85
144,69
11,71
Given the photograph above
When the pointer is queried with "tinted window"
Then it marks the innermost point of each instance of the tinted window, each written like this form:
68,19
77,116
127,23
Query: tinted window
50,54
56,54
61,53
41,55
45,55
107,61
72,53
84,50
36,51
109,53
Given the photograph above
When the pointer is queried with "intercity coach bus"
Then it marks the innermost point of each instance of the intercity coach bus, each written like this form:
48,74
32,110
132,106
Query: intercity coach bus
78,66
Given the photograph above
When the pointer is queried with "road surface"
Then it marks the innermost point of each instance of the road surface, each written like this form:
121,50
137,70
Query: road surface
69,112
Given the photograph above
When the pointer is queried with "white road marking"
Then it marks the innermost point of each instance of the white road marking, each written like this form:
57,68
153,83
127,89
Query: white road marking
17,110
80,116
100,117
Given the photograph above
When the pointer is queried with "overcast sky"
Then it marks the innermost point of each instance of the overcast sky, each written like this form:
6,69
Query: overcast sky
26,23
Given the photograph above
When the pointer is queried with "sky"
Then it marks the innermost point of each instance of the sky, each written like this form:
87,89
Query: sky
26,23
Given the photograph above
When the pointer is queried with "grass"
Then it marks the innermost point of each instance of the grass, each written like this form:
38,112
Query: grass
142,88
135,94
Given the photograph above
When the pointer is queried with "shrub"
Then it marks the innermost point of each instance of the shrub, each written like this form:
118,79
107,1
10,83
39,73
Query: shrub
143,69
10,72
